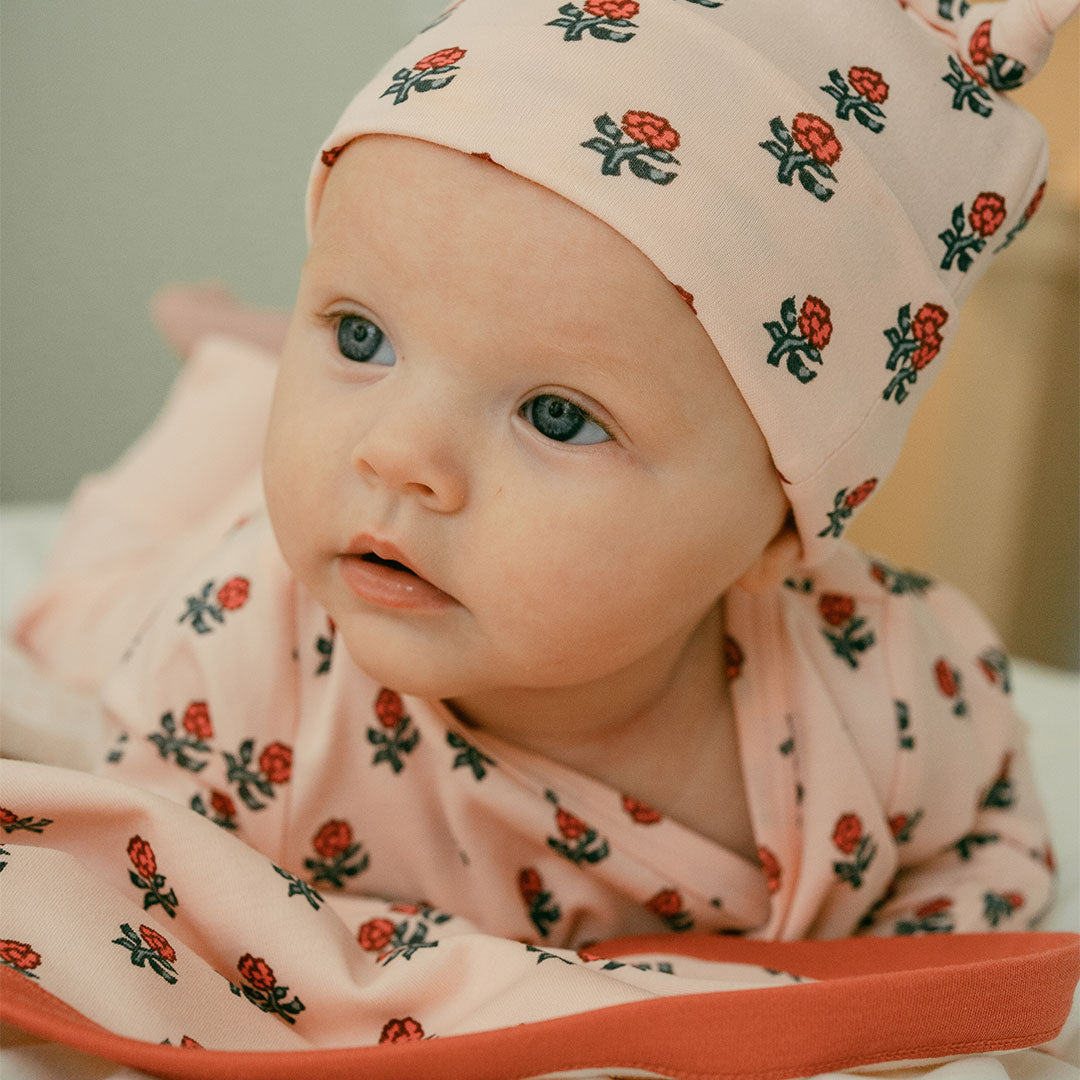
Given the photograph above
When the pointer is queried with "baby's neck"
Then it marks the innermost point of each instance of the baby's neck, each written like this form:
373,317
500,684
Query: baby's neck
664,734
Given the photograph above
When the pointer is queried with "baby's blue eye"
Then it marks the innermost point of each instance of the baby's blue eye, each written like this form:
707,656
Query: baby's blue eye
561,420
359,339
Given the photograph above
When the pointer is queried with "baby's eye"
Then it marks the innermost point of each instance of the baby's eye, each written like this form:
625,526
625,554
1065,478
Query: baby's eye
561,420
359,339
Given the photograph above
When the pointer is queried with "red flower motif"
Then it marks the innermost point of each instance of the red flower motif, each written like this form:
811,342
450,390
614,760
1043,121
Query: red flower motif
666,903
375,934
612,9
836,609
571,827
928,320
877,572
817,137
585,956
926,352
987,212
1036,199
234,593
191,1044
142,856
1014,900
641,812
407,909
442,58
771,866
255,970
988,670
733,657
1006,765
404,1030
275,763
331,155
19,953
197,720
1048,859
223,806
529,884
157,942
933,907
897,823
389,708
687,296
6,816
815,323
848,833
653,130
979,46
869,84
861,493
333,838
946,677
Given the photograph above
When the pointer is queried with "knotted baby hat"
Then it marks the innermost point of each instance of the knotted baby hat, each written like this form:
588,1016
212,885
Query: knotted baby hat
823,181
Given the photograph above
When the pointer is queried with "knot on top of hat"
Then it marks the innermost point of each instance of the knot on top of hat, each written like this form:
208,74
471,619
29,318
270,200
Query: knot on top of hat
1003,45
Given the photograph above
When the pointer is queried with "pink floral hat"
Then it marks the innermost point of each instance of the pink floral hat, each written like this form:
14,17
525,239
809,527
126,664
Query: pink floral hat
822,181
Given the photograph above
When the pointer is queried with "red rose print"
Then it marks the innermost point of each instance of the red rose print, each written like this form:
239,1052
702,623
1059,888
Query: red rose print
1036,199
529,884
404,1030
860,494
6,816
1014,900
928,320
653,130
898,823
877,572
848,833
972,73
1048,859
612,9
926,352
189,1042
817,137
933,907
585,956
946,679
979,46
987,212
222,804
375,934
389,708
333,838
641,812
234,593
256,971
570,826
442,58
988,670
869,84
142,856
19,954
331,155
665,903
275,762
815,323
197,720
158,943
733,657
687,297
408,909
836,609
771,867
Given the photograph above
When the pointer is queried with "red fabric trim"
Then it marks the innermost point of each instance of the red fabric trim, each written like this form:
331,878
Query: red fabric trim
881,999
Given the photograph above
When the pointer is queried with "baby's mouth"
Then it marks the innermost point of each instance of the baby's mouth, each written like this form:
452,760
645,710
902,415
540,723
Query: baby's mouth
393,564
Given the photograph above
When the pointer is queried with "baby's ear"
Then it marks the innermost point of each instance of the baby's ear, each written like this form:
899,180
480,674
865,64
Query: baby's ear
776,563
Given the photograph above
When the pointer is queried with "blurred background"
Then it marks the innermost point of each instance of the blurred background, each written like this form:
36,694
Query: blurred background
148,143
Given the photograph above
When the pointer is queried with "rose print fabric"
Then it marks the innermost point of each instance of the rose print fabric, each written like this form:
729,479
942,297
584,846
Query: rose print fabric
823,185
252,780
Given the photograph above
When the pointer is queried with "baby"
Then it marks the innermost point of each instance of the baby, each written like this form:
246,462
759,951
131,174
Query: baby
547,617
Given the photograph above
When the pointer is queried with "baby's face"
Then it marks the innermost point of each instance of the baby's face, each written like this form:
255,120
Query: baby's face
504,387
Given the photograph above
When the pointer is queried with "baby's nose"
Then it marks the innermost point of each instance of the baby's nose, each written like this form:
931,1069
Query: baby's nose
409,450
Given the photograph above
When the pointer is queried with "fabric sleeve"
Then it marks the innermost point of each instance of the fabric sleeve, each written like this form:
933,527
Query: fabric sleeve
975,852
202,708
